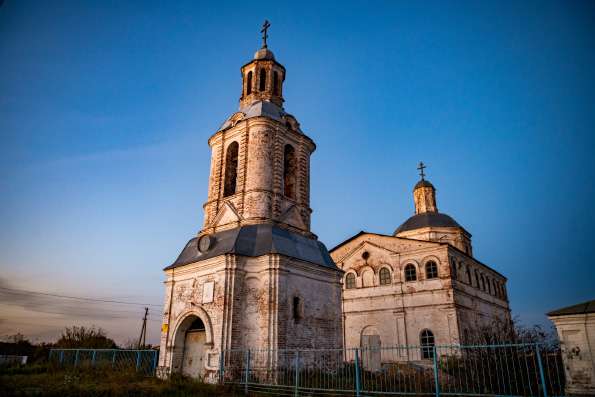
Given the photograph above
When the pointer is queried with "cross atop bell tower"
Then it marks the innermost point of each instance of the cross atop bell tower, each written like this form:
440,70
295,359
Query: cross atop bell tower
421,167
265,26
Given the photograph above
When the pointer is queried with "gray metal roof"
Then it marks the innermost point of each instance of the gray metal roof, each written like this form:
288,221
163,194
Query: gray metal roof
258,240
581,308
264,53
427,219
256,109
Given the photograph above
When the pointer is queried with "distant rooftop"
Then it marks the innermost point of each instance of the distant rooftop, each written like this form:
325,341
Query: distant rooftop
581,308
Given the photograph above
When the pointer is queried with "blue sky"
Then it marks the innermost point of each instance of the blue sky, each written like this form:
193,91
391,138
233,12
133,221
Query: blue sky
106,108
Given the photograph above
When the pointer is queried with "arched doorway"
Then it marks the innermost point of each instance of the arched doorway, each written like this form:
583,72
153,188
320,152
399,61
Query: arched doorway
371,349
193,356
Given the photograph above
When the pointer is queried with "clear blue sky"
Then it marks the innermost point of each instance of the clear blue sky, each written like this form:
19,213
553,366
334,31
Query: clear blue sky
106,108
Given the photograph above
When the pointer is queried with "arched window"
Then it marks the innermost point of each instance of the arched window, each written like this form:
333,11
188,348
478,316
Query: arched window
289,171
483,283
410,273
384,276
262,80
276,83
231,169
249,83
476,279
426,341
489,285
431,270
350,281
468,276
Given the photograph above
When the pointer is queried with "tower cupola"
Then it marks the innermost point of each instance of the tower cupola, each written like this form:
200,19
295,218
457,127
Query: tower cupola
262,77
424,194
430,225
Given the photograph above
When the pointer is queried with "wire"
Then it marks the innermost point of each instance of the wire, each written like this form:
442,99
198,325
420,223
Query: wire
22,291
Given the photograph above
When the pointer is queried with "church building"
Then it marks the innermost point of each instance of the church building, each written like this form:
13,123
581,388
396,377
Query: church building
420,286
255,276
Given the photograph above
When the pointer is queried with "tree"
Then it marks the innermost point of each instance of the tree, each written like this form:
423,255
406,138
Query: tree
85,338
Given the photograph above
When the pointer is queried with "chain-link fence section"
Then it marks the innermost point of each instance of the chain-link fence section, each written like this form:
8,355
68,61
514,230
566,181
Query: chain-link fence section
477,370
142,361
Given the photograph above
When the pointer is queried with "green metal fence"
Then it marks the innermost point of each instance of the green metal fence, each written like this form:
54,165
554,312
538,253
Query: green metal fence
144,361
475,370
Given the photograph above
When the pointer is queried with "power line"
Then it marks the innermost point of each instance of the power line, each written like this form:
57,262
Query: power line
22,291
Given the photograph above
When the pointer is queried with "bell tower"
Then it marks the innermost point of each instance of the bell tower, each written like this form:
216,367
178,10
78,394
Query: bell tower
260,162
255,276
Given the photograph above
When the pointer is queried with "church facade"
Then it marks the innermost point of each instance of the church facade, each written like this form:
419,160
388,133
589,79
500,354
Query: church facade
255,276
421,286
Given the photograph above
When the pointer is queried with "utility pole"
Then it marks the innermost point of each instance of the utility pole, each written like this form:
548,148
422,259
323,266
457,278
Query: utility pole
143,331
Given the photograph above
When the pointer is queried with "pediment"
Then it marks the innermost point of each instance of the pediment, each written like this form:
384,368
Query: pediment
366,246
226,215
395,245
293,217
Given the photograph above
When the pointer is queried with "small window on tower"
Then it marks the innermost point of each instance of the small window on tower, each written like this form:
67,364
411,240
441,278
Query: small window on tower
298,309
249,84
262,83
276,83
289,171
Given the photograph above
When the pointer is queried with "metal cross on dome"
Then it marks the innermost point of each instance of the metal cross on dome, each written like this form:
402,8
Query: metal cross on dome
421,170
265,26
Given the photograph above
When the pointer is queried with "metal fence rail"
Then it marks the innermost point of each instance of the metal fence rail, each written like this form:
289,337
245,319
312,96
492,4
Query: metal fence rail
143,361
475,370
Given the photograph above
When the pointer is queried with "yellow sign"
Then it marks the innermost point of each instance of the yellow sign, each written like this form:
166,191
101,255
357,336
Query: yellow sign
164,328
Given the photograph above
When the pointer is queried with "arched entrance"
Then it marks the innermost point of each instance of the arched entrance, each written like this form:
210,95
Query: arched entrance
191,343
194,349
371,349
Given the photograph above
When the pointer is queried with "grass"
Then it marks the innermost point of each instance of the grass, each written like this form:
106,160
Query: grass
46,380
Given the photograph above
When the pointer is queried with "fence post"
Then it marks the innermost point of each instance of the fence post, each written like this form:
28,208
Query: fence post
76,358
436,383
154,363
93,358
221,366
247,370
114,359
137,360
297,374
61,357
357,374
541,374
